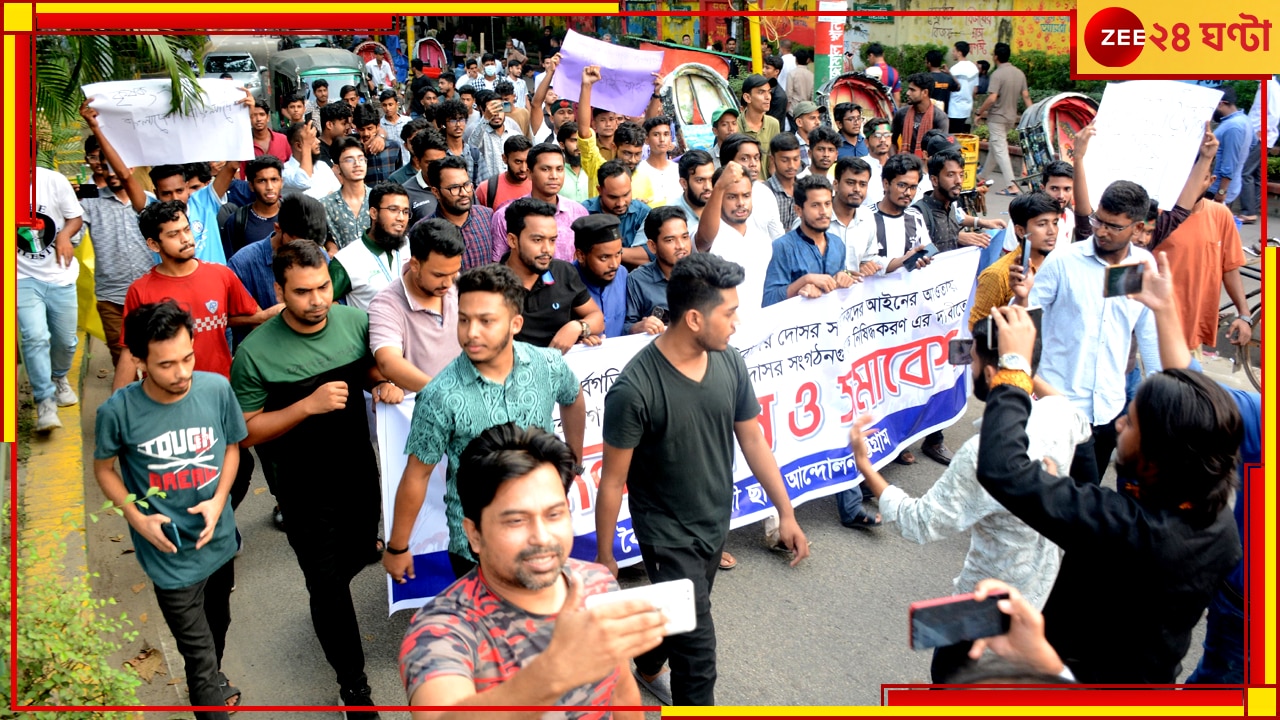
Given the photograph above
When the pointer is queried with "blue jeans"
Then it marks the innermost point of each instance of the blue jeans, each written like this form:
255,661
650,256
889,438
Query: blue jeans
47,325
1223,660
1131,383
849,504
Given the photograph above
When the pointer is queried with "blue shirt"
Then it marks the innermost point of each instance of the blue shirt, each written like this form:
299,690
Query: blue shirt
632,223
794,256
1250,405
1086,336
848,149
202,212
646,290
1234,138
611,298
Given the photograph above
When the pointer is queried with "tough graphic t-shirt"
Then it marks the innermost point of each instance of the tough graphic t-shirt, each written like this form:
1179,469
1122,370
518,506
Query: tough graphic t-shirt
468,630
179,448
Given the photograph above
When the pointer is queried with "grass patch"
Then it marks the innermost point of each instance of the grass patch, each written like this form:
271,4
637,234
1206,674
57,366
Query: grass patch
26,428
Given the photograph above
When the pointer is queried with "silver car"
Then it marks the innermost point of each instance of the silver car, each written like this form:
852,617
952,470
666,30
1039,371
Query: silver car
238,64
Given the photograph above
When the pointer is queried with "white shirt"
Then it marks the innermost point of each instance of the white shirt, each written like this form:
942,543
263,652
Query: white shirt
393,132
752,251
859,238
56,203
895,233
788,64
1066,227
370,273
382,74
875,187
1273,112
764,212
655,187
321,182
521,89
961,105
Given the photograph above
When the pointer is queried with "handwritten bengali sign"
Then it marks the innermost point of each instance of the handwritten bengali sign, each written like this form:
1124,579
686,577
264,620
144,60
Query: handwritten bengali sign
1149,132
877,348
135,117
626,75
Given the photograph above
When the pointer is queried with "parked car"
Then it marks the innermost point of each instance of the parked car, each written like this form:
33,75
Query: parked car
239,64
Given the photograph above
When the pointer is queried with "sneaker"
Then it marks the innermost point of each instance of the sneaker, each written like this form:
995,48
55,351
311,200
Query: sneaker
63,394
47,416
358,697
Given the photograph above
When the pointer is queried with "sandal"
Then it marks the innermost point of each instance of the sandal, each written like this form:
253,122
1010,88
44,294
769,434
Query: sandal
727,561
378,548
230,695
864,521
906,457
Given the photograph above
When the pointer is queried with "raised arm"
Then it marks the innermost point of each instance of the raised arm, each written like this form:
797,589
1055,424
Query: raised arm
1193,188
709,226
137,196
540,95
1081,189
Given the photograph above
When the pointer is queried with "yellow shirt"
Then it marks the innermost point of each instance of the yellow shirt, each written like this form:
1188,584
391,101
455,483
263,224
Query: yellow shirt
592,159
993,288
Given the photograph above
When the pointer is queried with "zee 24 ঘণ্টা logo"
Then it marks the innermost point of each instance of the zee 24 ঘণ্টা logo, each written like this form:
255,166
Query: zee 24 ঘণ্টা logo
1115,37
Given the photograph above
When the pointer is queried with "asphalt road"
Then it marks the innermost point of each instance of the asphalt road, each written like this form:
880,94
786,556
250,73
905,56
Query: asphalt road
829,632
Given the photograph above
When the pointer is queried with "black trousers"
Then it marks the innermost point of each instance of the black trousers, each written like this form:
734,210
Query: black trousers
1093,455
244,475
958,126
198,616
692,655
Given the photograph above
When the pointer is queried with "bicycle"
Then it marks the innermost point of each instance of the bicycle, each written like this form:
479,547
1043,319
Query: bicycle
1249,356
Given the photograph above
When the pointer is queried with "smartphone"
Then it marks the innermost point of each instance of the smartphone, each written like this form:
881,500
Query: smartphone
1123,280
661,313
959,351
1036,313
506,107
956,619
171,532
1026,257
673,598
922,252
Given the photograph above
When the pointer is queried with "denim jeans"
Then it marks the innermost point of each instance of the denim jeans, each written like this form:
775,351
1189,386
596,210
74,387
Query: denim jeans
849,504
1223,660
47,325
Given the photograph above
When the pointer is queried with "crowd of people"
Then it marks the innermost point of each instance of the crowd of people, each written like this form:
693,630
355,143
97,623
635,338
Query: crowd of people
457,247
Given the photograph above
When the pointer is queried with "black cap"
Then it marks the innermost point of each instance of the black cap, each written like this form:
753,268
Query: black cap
1228,94
595,229
752,82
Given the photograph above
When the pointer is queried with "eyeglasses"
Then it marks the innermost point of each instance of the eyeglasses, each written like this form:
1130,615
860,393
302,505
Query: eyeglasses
905,186
355,160
456,121
882,135
458,190
1111,227
404,212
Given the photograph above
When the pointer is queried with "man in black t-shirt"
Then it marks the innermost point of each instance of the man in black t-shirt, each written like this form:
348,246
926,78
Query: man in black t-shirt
558,309
669,425
943,82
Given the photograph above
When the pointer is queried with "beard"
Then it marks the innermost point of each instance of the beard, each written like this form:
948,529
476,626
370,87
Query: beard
980,387
529,580
694,200
573,160
385,241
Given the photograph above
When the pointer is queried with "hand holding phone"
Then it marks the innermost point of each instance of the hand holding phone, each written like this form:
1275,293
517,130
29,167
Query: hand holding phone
674,599
959,351
924,251
1123,280
956,619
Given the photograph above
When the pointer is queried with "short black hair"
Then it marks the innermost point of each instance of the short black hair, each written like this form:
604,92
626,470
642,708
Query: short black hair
199,170
938,161
343,144
933,58
296,97
163,172
1125,197
435,235
427,139
412,128
302,216
416,63
449,162
91,144
1031,205
783,142
506,452
155,322
808,184
450,110
544,148
1002,52
470,62
447,75
824,134
855,164
346,89
1057,168
321,83
984,65
659,216
503,88
467,90
653,122
773,61
729,146
691,161
383,189
611,168
495,278
876,49
963,47
294,130
520,209
869,127
628,133
265,161
924,81
386,95
298,253
484,97
157,214
366,115
334,112
515,144
900,164
696,283
991,355
487,58
843,109
566,131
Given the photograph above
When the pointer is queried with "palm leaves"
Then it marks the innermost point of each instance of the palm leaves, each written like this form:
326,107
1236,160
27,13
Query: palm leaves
66,62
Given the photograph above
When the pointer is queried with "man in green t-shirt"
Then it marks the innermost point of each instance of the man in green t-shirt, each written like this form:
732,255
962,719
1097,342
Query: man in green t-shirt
669,425
176,432
298,379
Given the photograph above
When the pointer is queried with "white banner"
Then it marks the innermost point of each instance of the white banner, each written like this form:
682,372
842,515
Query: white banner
134,115
879,348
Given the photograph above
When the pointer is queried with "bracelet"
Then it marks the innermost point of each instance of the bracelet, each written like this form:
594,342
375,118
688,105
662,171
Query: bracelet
655,96
392,551
1017,378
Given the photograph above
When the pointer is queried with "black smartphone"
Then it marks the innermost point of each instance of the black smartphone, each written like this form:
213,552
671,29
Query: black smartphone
922,252
1123,280
1037,315
171,532
956,619
661,313
1026,257
959,351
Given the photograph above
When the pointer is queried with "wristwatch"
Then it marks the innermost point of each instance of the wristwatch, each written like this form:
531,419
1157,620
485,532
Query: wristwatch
586,329
1014,361
655,96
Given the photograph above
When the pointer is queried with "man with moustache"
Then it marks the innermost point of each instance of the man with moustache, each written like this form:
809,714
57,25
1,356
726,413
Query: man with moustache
361,269
879,134
726,230
1058,180
513,631
824,150
491,134
298,380
696,169
497,379
848,117
453,190
949,226
265,140
546,177
507,186
306,171
808,261
614,198
427,146
598,258
852,176
558,311
807,120
347,210
413,322
746,151
758,120
256,221
576,183
669,241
